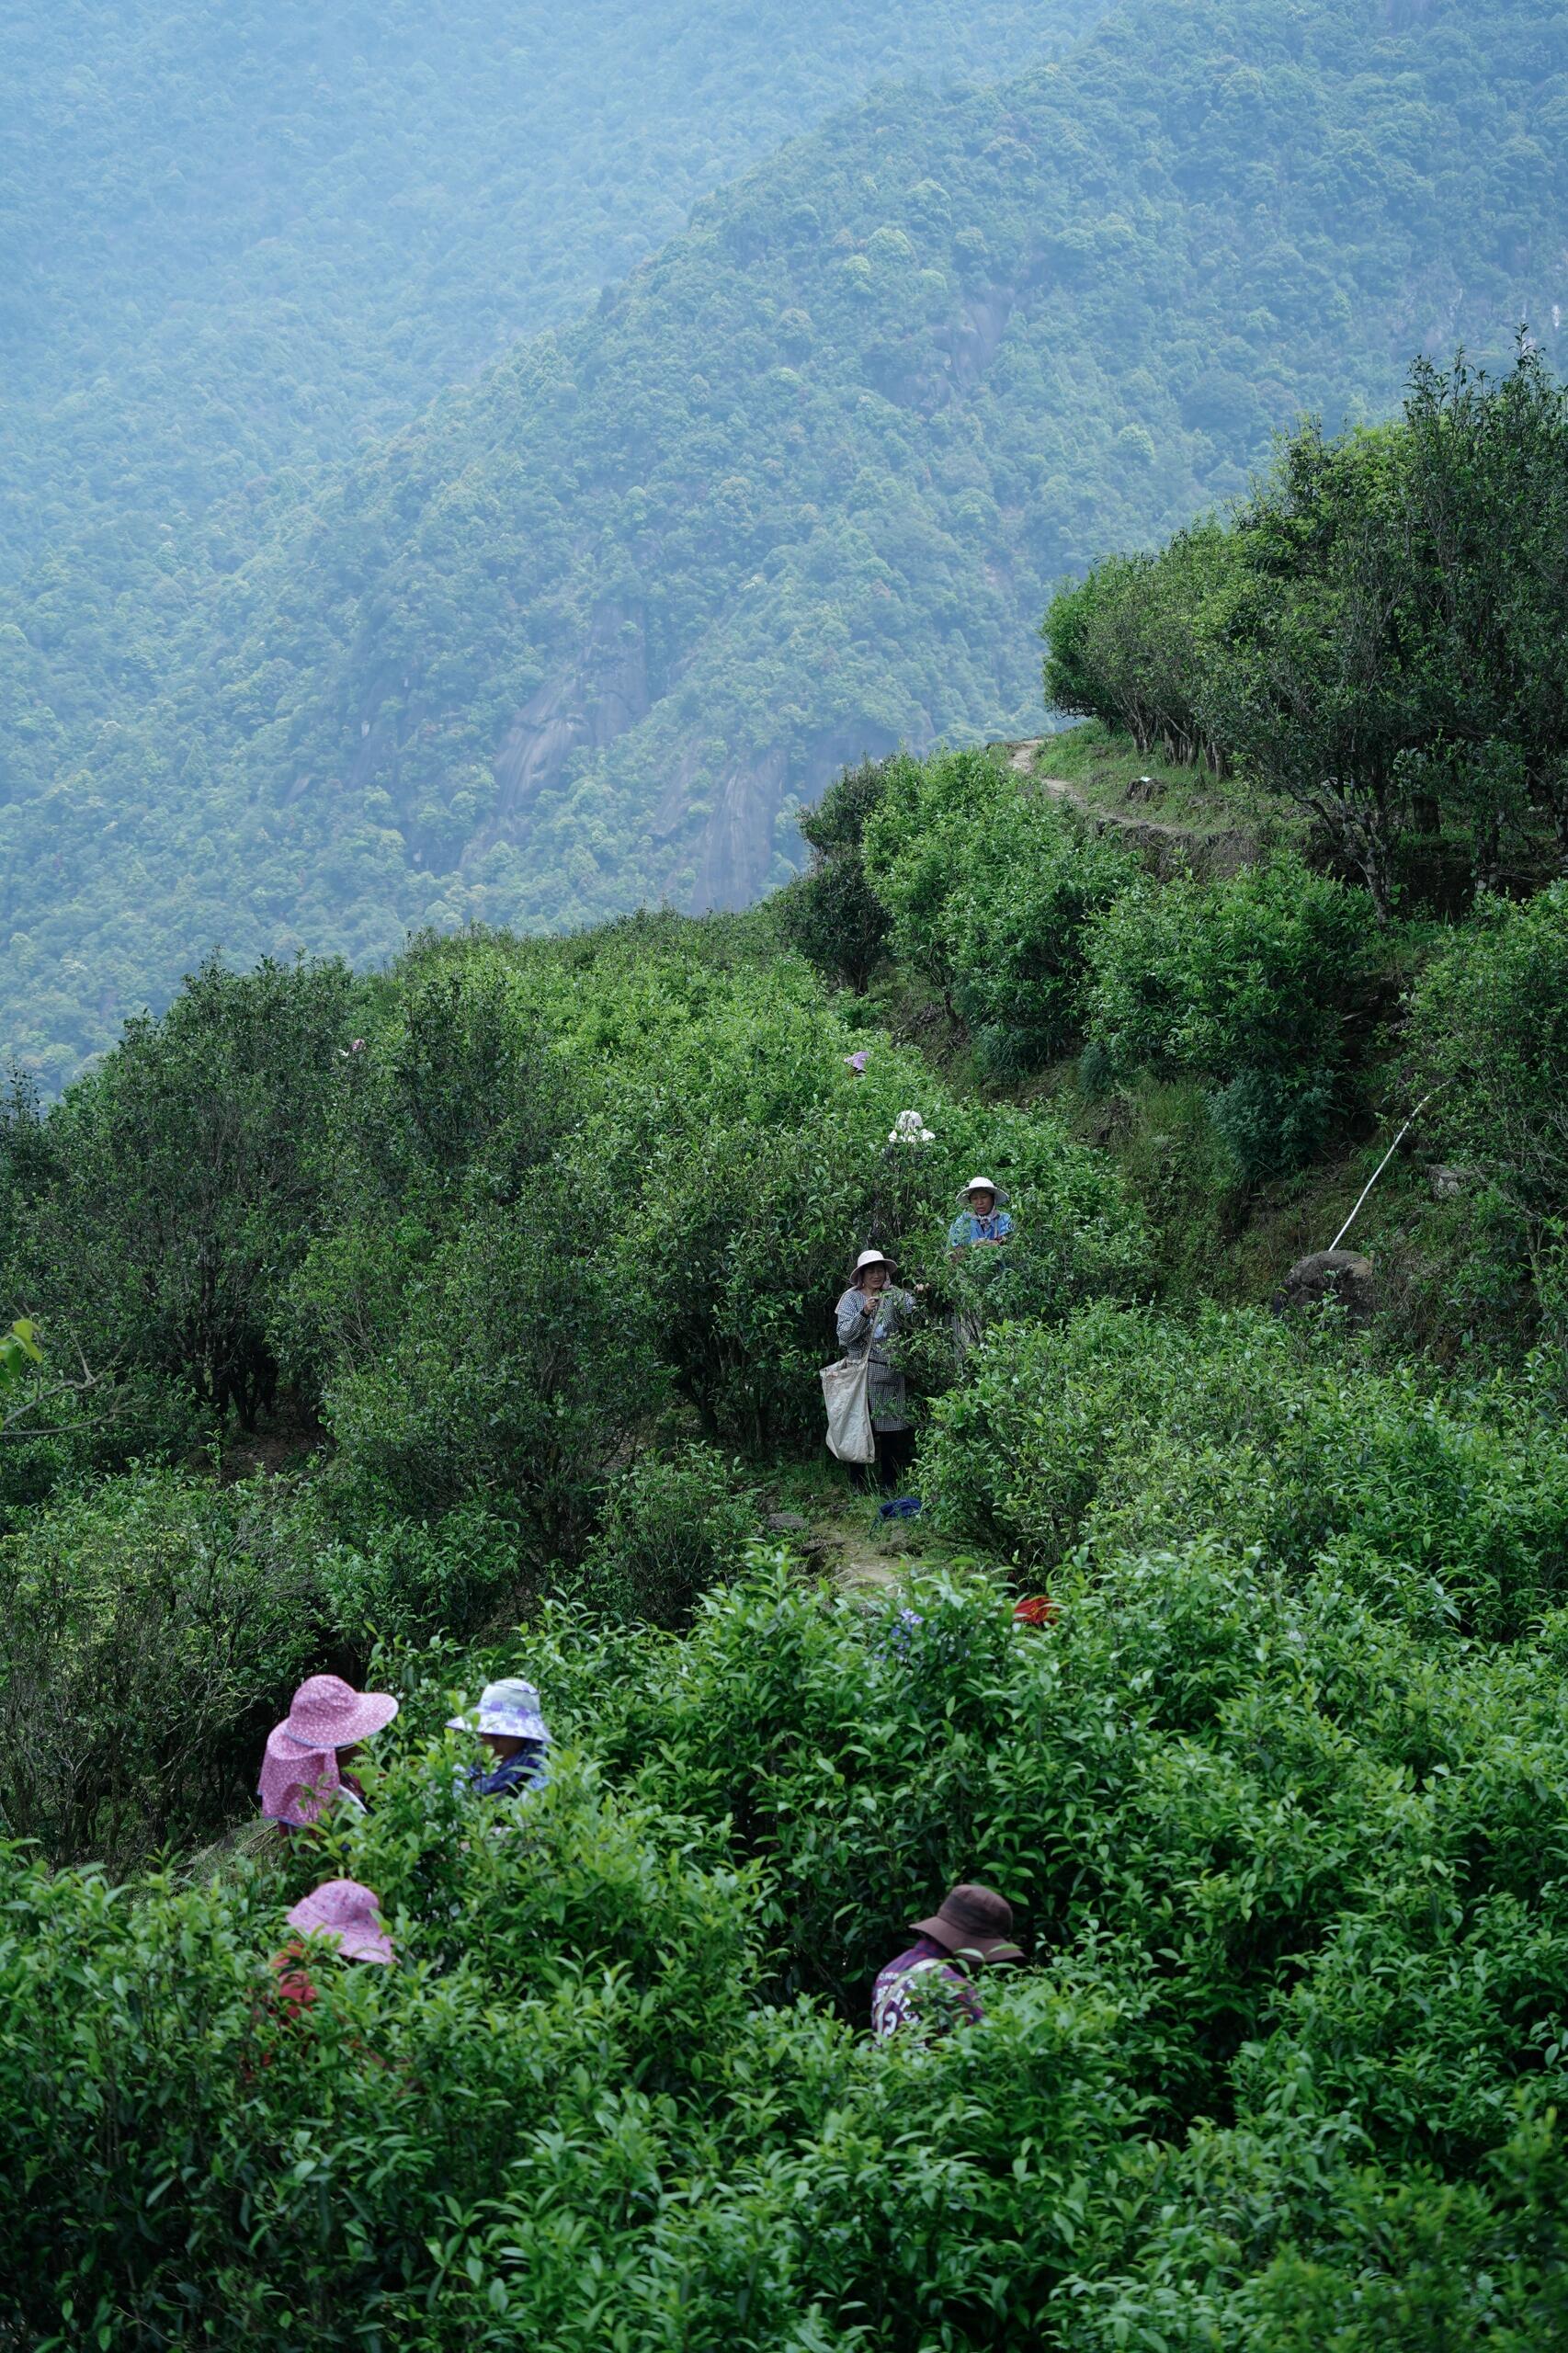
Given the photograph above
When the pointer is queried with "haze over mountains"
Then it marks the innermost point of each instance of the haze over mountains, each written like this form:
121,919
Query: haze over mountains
588,629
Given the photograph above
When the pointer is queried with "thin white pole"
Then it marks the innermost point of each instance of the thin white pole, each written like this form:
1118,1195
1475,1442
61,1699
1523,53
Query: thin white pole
1379,1169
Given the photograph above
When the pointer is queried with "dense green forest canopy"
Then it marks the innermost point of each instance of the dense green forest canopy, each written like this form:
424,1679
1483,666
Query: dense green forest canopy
239,241
797,489
1380,637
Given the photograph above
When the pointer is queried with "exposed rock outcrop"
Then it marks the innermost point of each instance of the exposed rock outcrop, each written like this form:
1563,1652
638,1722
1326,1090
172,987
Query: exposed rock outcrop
1343,1276
603,694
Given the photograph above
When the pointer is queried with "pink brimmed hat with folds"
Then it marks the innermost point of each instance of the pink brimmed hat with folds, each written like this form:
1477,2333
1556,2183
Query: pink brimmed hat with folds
347,1913
299,1770
327,1712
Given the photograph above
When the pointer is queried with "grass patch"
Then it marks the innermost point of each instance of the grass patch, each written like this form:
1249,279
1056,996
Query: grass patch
1112,774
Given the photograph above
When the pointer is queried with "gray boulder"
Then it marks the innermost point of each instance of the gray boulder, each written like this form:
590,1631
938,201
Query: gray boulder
1343,1276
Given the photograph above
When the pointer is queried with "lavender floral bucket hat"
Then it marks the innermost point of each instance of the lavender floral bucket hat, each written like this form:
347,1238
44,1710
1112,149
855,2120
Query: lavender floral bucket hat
510,1708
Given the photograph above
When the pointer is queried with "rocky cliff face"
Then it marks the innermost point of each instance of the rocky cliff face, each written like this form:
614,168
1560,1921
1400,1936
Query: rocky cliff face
742,834
584,708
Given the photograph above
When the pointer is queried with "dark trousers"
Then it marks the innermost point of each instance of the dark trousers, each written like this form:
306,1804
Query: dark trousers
895,1451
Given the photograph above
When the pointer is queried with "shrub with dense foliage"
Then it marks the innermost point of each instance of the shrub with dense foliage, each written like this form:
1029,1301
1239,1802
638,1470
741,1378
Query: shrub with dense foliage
832,914
1125,1428
518,1194
1252,983
1287,2051
673,1526
531,1248
1379,635
1489,1032
153,1627
992,892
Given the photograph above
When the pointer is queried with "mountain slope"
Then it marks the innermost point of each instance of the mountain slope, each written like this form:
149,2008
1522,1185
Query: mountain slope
241,240
798,488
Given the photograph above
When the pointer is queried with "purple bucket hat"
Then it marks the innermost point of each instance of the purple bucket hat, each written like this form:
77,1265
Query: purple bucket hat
349,1914
510,1708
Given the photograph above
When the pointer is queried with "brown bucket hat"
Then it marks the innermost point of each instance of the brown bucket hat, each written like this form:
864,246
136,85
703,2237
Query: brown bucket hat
974,1919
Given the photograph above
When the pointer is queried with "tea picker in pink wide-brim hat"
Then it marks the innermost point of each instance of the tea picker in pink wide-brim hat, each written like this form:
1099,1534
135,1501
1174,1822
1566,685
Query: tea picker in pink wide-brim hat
301,1770
327,1712
348,1913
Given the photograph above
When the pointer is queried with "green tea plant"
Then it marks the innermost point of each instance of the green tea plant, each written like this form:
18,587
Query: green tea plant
1032,880
1125,1429
1253,983
152,1629
831,915
673,1525
1288,2043
1489,1033
169,1197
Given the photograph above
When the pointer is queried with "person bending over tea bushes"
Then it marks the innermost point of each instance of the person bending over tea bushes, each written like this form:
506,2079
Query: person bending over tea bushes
869,1316
341,1917
931,1985
514,1736
307,1768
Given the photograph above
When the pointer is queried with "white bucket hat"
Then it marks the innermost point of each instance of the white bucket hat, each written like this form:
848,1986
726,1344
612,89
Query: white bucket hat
872,1258
510,1708
984,1185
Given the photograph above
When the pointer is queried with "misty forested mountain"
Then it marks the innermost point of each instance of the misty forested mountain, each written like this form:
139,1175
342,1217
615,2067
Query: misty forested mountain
238,240
795,490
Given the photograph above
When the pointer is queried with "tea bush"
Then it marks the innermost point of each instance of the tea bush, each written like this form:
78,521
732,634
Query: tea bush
160,1208
518,1370
1126,1429
1489,1035
1253,983
673,1525
65,1436
1289,2045
914,845
674,1171
1033,879
579,2128
768,1164
990,890
151,1631
1278,1795
832,915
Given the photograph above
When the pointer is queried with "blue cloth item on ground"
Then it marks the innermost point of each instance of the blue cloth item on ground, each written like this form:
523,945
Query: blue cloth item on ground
900,1508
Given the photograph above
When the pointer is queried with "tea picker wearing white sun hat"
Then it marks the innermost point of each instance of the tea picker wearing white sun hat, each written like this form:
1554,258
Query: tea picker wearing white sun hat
868,1428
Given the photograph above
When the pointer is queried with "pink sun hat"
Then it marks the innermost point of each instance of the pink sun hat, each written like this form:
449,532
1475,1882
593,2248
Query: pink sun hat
300,1773
327,1712
350,1914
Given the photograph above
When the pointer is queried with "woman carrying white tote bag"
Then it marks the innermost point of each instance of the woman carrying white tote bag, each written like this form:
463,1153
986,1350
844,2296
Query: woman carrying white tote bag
864,1392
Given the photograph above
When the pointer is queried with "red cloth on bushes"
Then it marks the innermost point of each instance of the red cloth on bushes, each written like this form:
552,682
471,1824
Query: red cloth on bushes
296,1991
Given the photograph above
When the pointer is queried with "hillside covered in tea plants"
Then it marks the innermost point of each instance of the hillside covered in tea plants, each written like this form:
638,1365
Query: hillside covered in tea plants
446,1313
586,632
464,1319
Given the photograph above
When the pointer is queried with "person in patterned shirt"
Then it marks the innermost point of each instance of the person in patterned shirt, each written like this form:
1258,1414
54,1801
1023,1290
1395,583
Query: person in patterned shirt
983,1217
931,1985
